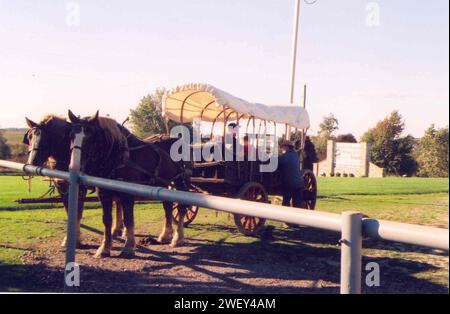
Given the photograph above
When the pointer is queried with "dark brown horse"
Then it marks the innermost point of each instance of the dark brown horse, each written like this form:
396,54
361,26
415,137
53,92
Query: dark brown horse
51,139
109,152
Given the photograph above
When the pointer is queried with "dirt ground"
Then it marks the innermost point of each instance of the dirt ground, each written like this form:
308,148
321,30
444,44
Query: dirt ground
203,266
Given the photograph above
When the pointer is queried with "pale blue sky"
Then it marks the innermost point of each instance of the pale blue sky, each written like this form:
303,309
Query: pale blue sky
123,50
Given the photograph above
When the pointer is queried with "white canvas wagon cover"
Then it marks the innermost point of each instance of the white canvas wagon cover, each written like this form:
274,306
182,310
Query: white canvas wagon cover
185,103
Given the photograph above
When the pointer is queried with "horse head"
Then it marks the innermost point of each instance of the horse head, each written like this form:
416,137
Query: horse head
99,139
47,139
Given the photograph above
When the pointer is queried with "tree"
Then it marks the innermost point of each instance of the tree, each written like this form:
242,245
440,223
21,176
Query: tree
346,138
320,143
5,150
328,125
388,149
147,119
406,147
432,153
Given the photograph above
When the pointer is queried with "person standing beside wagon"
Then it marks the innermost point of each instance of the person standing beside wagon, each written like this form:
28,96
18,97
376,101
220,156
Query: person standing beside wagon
291,177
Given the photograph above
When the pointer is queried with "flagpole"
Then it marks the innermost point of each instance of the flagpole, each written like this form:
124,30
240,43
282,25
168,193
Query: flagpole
294,58
294,49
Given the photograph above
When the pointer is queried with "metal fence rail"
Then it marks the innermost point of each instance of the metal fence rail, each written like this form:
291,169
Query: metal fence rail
352,225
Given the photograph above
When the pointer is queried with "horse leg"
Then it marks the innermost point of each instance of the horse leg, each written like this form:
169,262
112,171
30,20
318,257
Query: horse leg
128,217
178,235
105,248
118,229
166,234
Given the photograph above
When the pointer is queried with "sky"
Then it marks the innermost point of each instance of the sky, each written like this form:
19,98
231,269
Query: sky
360,59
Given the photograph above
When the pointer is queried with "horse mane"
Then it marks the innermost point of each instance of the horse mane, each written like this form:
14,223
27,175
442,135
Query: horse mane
112,131
57,126
51,117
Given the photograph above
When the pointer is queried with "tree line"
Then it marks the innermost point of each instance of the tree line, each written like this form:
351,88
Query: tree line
398,154
5,149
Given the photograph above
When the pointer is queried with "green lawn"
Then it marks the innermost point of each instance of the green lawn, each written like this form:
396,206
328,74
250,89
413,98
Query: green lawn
381,186
411,200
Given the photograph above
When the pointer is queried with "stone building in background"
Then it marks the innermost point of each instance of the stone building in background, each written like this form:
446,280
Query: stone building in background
348,159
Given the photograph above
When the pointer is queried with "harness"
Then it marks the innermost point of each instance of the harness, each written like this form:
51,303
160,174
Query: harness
119,153
154,176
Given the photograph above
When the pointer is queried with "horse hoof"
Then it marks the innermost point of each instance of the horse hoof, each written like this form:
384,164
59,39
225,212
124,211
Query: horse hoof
102,253
164,240
78,245
175,244
117,233
127,253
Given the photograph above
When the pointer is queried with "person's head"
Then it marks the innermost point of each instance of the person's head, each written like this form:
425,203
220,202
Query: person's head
233,129
287,145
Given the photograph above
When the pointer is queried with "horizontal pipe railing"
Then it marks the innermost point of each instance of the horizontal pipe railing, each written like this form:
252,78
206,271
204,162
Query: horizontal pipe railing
431,237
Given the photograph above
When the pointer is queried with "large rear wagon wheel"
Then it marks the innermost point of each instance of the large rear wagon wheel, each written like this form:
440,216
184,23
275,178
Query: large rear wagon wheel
309,193
249,225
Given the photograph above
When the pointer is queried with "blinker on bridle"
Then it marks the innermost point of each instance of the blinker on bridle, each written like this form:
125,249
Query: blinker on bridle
76,129
33,148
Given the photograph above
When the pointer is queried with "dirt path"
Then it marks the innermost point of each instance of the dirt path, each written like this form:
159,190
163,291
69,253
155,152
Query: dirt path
202,266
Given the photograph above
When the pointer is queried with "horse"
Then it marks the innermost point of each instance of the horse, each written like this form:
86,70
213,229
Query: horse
108,152
50,139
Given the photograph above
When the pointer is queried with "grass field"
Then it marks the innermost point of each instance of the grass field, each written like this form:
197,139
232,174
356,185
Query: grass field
411,200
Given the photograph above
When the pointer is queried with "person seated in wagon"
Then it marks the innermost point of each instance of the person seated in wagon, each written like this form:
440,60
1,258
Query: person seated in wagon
231,142
240,152
292,183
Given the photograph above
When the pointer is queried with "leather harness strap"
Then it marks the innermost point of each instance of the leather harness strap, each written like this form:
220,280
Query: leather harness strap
154,176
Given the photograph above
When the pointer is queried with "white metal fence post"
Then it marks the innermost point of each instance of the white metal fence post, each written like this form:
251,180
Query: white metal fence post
74,173
351,253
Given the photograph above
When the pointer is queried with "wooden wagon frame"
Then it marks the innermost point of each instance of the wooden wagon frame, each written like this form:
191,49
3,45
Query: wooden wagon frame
238,179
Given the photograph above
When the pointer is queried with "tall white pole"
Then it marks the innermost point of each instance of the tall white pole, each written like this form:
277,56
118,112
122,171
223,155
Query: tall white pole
294,48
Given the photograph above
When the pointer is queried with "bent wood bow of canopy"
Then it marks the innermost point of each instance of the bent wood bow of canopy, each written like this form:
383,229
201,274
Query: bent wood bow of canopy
185,103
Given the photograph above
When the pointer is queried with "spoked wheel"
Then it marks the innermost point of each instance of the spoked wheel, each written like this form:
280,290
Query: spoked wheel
191,213
309,196
248,225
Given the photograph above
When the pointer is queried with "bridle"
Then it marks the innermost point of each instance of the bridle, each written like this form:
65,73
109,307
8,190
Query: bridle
33,147
76,129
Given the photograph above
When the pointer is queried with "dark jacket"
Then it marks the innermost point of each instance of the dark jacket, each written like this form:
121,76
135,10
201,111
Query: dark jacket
289,165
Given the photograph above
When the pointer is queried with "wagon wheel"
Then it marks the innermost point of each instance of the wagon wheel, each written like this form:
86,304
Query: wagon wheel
191,213
248,225
309,196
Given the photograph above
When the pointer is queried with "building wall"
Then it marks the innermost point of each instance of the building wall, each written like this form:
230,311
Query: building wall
375,171
348,158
